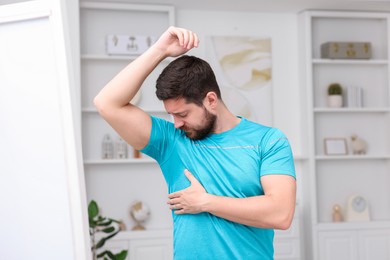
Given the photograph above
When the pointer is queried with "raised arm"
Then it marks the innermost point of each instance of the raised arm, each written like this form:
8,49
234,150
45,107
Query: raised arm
112,102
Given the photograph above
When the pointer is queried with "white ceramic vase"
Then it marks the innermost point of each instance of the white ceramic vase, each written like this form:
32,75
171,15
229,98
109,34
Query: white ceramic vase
335,101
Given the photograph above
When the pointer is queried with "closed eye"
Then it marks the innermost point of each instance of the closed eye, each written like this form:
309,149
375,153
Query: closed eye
183,115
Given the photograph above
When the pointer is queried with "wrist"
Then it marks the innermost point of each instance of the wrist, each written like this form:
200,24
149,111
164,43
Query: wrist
157,53
207,202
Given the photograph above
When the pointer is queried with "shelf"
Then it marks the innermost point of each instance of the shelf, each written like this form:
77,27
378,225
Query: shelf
353,225
127,7
151,111
352,110
105,57
119,161
352,157
108,57
300,157
144,234
349,62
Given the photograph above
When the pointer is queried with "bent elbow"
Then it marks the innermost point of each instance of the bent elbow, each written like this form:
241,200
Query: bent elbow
284,221
99,104
284,225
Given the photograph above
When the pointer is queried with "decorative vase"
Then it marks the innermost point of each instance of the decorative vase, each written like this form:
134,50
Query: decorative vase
335,101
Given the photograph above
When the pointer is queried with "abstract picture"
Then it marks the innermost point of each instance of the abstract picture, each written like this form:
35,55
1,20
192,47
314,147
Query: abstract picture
244,72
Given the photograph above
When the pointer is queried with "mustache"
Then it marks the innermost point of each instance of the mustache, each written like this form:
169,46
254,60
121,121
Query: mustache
185,128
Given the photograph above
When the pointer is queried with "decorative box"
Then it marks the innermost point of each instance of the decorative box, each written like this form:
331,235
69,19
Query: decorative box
346,50
119,44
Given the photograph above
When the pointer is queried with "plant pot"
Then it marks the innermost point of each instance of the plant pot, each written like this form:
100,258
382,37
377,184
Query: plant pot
335,101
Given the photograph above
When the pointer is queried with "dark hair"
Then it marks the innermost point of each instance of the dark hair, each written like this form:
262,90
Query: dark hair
187,77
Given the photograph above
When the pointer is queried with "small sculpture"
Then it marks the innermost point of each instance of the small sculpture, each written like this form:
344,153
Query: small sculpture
120,148
359,146
107,147
139,212
337,216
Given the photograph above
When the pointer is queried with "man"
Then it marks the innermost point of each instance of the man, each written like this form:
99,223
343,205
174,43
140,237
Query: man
231,181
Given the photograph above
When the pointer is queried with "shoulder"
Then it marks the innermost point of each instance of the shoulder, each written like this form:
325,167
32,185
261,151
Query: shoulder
263,131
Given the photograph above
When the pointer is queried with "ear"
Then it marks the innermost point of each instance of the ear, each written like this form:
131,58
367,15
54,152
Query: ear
211,100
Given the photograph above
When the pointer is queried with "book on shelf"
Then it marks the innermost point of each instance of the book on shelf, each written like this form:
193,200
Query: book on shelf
354,96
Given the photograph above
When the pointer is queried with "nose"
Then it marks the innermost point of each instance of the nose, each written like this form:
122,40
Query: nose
177,122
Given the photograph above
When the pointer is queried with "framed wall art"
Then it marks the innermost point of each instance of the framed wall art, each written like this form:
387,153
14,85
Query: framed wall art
335,146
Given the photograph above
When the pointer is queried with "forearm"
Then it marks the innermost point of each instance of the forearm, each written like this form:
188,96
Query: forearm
275,209
123,87
259,211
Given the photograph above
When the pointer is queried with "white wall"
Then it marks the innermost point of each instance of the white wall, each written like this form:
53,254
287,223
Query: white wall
282,29
42,195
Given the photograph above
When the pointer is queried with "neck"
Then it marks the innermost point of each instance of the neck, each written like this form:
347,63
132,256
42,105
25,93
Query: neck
225,120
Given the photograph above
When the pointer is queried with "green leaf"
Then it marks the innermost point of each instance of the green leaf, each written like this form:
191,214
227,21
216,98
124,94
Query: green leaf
122,255
102,254
93,210
104,222
100,243
111,255
92,224
110,236
108,230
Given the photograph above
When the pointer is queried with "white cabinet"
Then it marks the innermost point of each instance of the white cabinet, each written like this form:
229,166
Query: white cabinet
374,244
355,242
151,249
143,245
287,243
158,244
338,245
333,178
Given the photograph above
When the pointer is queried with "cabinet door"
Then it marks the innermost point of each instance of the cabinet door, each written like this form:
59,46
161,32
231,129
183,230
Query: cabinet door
156,249
287,248
287,242
374,244
116,246
338,245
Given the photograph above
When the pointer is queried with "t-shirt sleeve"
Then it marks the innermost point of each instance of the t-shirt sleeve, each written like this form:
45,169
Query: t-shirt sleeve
276,154
161,139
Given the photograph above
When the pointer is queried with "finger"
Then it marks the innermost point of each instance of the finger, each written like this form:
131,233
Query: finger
189,176
176,207
179,212
196,40
173,201
193,40
186,38
190,40
178,32
174,195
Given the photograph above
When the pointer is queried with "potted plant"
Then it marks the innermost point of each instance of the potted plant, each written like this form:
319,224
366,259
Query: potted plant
335,95
97,223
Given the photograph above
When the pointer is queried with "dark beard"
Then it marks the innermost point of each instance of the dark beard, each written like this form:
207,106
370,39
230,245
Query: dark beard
198,134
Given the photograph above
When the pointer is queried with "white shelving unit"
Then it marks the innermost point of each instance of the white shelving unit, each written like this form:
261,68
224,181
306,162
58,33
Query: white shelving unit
116,183
334,178
98,19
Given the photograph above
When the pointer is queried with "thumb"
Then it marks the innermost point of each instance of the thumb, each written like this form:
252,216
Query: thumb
189,176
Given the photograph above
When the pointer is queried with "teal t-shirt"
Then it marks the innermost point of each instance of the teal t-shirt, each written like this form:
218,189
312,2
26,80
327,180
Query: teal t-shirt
226,164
